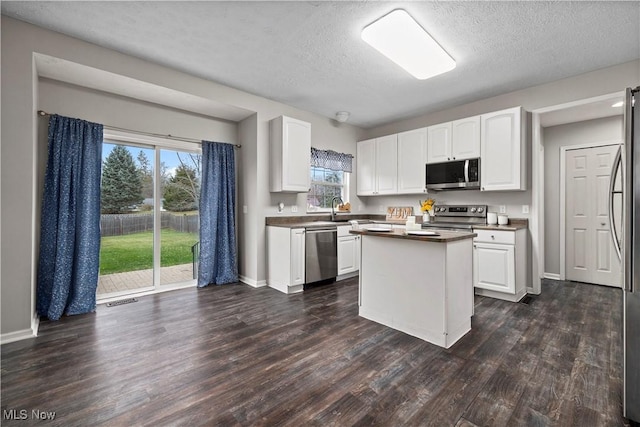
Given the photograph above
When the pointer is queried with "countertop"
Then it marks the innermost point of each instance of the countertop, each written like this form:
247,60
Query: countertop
311,221
308,224
443,237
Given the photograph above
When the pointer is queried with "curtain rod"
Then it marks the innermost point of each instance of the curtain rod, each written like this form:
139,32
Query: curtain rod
139,132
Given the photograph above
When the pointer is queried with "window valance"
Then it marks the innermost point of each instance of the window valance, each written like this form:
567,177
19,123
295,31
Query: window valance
330,159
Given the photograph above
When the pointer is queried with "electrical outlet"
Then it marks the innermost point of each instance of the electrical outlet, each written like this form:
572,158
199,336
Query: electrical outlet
525,209
294,208
245,209
503,209
380,208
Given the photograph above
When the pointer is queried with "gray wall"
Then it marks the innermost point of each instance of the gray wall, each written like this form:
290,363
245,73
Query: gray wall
102,107
592,131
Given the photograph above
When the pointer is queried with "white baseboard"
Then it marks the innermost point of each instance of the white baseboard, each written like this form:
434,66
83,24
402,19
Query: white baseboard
347,276
23,334
552,276
252,282
35,324
530,291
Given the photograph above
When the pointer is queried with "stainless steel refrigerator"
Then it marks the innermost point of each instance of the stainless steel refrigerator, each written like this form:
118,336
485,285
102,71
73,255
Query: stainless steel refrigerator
625,194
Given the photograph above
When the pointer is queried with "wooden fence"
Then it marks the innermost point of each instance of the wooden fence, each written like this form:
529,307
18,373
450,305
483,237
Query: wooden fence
120,224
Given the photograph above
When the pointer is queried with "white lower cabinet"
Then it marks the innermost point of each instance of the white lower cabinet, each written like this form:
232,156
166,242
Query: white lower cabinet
348,252
286,259
499,263
297,267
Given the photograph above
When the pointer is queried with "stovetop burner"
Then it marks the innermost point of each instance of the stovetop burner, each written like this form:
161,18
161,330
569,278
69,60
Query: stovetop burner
457,217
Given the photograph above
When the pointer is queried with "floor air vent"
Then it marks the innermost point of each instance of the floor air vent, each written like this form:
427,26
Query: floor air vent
526,300
122,301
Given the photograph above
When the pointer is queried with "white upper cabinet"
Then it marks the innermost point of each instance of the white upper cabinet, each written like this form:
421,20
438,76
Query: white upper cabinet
465,138
412,156
457,140
366,167
377,166
387,164
439,143
290,155
502,142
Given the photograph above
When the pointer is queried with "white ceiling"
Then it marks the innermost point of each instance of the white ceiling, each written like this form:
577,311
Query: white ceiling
310,55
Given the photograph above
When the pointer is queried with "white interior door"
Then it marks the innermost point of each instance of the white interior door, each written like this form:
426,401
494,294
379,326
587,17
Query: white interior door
590,255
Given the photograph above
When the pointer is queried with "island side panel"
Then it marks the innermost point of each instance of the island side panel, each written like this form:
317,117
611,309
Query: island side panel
402,286
459,290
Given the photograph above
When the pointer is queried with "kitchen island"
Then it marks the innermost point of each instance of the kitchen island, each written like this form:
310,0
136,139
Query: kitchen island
418,284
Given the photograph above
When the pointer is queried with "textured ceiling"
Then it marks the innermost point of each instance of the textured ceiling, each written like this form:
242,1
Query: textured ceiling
310,55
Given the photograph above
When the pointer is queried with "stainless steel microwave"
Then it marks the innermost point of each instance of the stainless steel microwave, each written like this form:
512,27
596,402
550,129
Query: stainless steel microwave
455,175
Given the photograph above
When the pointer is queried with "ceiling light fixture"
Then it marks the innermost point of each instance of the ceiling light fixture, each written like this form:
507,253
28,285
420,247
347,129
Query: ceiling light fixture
401,39
618,104
342,116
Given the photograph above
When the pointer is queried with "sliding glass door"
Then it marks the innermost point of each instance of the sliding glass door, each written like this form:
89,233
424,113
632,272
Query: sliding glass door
149,218
180,188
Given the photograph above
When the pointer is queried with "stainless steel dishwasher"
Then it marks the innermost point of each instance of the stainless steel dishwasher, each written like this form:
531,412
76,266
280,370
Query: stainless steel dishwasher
321,253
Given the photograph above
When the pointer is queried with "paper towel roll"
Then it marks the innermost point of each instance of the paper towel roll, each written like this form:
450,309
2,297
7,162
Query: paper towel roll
492,218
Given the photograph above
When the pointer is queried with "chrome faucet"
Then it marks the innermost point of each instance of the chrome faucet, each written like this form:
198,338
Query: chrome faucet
333,205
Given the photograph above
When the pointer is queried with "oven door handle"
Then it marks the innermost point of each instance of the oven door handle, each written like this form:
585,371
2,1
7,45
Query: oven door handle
322,230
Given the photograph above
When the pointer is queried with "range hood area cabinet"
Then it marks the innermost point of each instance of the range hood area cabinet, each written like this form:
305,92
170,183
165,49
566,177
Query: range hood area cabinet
457,140
377,166
290,151
502,150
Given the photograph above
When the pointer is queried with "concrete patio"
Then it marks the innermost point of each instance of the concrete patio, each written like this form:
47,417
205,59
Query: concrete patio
131,281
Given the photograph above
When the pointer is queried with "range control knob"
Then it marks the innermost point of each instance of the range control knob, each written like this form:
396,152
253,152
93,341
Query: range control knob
443,209
473,210
480,209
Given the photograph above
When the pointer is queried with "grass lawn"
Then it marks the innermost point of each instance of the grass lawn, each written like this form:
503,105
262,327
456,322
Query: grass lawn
135,251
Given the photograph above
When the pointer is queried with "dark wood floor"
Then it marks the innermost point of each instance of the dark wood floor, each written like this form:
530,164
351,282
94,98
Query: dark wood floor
234,355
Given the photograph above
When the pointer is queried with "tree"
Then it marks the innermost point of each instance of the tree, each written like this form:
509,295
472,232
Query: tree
121,182
146,175
181,191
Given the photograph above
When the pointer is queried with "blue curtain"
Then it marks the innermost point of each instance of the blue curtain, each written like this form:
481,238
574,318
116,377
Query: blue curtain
218,259
70,226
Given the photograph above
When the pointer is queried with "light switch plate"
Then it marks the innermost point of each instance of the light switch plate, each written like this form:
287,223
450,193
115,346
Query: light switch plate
525,209
245,209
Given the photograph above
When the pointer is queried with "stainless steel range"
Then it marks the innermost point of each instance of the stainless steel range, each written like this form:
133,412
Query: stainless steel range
457,217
